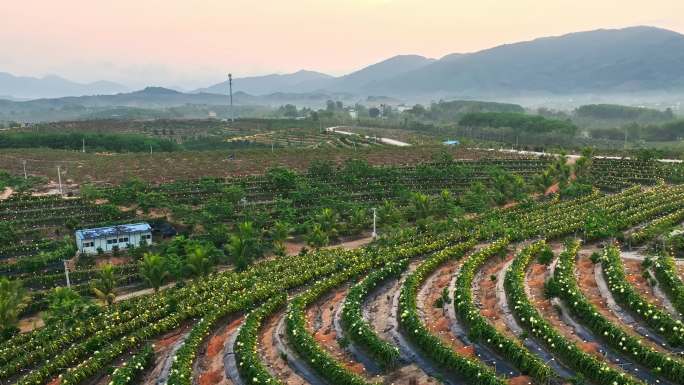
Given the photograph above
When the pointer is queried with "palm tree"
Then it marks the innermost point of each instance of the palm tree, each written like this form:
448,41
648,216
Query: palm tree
153,270
584,163
103,287
67,307
358,221
245,246
543,181
279,234
421,205
198,261
327,219
560,170
388,214
12,301
317,237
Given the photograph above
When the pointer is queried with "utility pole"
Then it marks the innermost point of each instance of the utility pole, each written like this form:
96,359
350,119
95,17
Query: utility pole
375,234
230,91
83,150
23,162
59,178
150,148
66,273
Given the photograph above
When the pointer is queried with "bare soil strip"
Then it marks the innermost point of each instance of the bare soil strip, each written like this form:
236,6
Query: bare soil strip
555,312
586,277
380,311
442,321
209,368
490,295
165,348
277,361
651,293
625,317
293,360
320,321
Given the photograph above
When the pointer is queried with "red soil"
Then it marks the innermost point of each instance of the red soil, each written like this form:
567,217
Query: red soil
211,378
520,380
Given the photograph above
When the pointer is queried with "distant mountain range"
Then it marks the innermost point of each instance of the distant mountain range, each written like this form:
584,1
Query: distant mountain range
152,98
629,60
604,61
51,86
260,85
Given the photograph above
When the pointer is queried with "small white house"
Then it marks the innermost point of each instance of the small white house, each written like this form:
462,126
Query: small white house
107,238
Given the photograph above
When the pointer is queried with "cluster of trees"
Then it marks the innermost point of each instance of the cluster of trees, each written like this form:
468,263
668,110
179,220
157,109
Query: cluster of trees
18,183
669,131
520,122
453,110
93,141
619,112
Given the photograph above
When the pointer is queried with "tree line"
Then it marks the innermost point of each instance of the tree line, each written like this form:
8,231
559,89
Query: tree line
92,141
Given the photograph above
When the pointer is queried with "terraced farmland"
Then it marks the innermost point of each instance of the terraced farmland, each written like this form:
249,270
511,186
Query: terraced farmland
483,272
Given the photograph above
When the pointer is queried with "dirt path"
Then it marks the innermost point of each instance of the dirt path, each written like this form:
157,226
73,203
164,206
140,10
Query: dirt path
586,277
6,193
165,347
389,141
485,294
435,318
31,323
536,276
293,248
379,313
141,292
589,343
560,320
209,368
511,325
634,271
271,356
320,317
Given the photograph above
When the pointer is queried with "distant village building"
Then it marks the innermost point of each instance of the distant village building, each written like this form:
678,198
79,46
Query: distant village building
451,143
108,238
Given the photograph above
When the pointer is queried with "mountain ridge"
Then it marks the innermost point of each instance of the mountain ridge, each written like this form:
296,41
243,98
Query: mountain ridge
602,61
28,87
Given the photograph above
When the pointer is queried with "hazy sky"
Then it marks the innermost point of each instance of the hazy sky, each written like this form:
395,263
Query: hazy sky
192,43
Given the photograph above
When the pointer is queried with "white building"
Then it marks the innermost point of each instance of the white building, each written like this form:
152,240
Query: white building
107,238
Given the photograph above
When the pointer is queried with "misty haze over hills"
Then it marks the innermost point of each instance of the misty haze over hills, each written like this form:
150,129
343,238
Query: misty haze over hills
644,60
52,86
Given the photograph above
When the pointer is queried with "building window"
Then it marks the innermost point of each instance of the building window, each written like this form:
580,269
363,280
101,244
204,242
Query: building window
123,240
148,236
111,241
88,244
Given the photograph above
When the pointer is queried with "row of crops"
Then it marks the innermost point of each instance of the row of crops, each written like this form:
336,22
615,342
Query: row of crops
122,332
616,174
42,226
80,352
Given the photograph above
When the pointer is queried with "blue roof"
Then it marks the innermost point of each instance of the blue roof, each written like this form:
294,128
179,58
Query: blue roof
110,231
451,142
